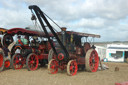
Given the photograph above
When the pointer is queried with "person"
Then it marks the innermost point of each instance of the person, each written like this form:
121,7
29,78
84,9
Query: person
25,40
35,41
19,40
6,51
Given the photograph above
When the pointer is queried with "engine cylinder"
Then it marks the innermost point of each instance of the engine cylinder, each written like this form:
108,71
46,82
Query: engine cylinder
60,56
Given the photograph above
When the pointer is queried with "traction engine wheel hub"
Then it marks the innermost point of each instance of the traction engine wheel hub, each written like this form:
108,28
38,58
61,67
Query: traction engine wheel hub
93,60
7,64
61,56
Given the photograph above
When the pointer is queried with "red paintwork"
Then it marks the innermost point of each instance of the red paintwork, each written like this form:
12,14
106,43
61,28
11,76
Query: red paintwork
54,67
81,61
73,68
49,46
63,65
1,60
79,51
60,56
7,64
124,83
94,66
42,47
40,51
14,31
20,42
33,62
18,62
43,56
22,30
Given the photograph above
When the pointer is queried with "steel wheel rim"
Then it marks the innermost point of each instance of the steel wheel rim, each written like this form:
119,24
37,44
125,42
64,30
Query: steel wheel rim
33,62
18,61
94,61
53,67
1,60
73,68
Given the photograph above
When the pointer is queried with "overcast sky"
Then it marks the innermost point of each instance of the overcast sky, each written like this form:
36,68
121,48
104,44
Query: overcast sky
108,18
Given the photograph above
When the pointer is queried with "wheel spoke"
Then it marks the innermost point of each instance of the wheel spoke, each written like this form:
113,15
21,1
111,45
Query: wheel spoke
72,67
17,61
53,66
32,62
93,60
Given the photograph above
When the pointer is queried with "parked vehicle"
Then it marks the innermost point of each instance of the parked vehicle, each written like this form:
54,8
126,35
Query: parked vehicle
31,48
71,53
5,60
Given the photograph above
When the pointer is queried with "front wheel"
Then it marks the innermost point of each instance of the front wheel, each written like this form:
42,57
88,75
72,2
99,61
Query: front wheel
17,61
53,66
72,68
32,62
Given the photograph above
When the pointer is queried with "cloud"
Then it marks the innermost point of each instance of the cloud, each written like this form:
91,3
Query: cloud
108,18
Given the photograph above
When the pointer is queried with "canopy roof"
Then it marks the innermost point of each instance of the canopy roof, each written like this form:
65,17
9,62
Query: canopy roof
30,32
23,31
82,34
2,30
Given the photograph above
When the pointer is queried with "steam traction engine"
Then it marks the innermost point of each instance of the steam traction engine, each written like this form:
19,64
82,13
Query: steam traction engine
81,54
4,54
70,52
31,48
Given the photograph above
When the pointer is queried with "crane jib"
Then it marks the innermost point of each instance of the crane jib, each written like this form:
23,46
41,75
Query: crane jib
40,15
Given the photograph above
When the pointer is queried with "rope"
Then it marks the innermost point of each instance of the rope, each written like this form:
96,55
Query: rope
52,21
36,24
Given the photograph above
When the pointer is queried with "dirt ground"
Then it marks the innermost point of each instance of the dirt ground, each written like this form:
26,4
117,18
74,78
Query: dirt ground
41,76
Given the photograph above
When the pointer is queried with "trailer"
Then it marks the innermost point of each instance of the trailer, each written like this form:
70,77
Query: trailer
117,53
70,53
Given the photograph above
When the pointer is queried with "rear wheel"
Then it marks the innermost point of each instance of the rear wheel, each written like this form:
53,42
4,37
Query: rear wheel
32,62
91,60
72,68
53,66
1,60
17,61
